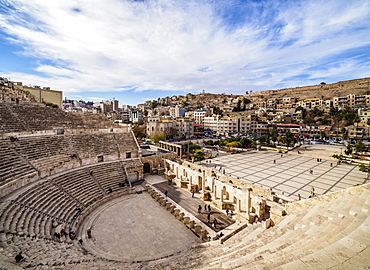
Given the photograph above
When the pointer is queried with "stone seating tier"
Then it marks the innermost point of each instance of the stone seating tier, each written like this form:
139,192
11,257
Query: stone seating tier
12,165
31,212
109,175
50,154
41,117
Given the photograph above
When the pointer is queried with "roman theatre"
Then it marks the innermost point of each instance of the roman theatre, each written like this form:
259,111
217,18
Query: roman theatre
78,192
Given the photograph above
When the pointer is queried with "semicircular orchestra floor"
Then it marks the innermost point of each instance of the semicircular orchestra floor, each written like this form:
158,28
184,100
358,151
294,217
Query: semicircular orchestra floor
135,228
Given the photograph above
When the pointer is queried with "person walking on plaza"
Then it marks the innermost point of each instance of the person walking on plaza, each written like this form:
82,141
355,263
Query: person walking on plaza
199,208
192,194
209,208
209,218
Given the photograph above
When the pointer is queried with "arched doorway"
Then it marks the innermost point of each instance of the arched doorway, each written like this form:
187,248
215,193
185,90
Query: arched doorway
146,167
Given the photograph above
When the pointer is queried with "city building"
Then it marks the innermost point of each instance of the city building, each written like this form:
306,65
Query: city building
179,128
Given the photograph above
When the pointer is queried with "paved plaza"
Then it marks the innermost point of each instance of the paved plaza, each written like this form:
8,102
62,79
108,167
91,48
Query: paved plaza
291,173
136,228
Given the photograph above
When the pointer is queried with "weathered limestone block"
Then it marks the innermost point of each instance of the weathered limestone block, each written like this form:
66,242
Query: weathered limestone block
204,235
163,201
186,220
168,205
172,209
176,212
180,216
268,223
191,224
197,230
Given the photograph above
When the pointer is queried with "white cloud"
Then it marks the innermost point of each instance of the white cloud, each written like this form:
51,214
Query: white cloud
107,45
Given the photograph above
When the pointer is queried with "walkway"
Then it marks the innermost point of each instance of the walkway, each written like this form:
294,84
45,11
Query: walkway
290,173
183,198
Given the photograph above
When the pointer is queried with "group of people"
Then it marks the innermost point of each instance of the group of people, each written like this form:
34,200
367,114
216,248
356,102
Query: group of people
206,208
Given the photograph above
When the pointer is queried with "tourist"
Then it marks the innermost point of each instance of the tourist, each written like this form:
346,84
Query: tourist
72,235
331,164
199,208
166,193
215,223
63,233
192,194
209,218
281,155
209,208
227,211
57,235
205,207
80,241
311,171
19,257
274,161
78,208
89,233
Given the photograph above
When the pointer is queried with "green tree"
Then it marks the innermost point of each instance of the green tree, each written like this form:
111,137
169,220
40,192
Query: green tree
289,138
159,137
339,157
235,144
154,104
359,146
190,146
218,111
349,150
264,139
365,168
139,131
198,155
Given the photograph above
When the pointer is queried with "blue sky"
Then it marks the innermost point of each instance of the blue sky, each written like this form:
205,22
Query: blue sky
138,50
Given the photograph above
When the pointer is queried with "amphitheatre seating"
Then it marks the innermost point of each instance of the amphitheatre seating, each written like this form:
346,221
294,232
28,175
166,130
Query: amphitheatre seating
126,142
109,175
87,145
28,116
33,211
42,146
336,227
44,253
12,165
8,121
51,154
80,185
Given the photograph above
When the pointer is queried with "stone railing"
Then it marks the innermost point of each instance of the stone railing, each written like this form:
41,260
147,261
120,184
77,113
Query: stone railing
190,221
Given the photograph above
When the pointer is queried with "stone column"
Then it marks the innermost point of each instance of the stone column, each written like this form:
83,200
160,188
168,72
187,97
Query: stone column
204,181
248,203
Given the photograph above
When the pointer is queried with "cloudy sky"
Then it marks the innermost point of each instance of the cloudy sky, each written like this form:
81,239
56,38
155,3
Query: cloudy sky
138,50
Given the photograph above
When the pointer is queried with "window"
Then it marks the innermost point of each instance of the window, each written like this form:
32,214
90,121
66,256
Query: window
128,155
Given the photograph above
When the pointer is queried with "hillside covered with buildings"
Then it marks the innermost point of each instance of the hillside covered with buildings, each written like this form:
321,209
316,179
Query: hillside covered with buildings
338,111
